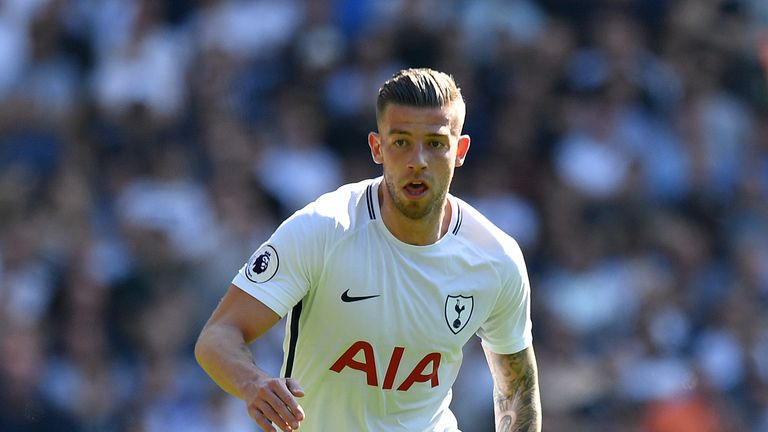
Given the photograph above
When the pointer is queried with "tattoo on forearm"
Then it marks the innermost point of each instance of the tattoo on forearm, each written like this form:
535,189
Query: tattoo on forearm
505,424
516,394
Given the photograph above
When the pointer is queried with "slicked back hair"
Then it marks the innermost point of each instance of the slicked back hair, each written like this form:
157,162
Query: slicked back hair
421,88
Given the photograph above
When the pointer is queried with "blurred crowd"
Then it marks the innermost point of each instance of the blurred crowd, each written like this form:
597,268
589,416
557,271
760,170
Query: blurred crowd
147,147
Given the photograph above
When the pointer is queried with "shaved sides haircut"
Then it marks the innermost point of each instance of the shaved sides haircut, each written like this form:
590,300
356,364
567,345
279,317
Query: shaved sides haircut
422,88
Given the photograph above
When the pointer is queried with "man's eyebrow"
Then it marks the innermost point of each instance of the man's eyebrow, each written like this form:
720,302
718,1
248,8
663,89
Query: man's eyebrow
404,132
399,132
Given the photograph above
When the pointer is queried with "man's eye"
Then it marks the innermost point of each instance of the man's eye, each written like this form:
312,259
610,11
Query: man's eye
400,142
436,144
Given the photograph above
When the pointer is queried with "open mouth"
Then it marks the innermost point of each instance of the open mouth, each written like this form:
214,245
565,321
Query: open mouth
415,189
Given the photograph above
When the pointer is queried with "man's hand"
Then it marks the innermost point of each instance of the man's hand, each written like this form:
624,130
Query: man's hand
222,351
271,401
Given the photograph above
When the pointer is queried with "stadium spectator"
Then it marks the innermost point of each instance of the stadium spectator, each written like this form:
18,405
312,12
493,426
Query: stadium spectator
674,235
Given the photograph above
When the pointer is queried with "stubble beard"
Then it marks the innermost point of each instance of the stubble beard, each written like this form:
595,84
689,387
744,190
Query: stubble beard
415,210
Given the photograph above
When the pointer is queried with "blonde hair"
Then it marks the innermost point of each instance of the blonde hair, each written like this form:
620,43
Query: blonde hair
421,87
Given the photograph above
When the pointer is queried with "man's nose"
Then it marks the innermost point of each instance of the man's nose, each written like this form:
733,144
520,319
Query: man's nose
418,160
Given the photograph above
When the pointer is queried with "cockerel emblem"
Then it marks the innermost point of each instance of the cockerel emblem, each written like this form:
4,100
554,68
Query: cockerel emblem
458,310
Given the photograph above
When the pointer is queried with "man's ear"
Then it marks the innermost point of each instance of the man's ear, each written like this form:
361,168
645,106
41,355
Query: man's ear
463,148
374,142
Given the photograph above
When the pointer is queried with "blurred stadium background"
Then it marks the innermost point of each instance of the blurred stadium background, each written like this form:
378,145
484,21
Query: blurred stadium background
147,147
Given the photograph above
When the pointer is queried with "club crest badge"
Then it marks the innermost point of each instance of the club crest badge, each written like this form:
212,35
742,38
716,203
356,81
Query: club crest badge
458,310
262,265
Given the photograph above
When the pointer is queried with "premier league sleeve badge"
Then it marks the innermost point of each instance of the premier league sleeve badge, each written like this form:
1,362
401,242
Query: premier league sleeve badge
263,264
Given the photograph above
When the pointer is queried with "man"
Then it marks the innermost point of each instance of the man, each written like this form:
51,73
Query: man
383,282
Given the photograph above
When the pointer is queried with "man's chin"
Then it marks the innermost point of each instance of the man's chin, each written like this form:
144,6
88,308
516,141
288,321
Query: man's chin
415,210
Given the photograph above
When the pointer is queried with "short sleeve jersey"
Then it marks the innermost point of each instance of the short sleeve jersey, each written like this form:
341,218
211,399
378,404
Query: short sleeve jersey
376,326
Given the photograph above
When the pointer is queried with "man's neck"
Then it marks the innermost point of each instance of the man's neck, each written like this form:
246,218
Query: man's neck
419,232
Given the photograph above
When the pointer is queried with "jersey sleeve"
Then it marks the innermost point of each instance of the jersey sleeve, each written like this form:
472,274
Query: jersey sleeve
282,270
508,327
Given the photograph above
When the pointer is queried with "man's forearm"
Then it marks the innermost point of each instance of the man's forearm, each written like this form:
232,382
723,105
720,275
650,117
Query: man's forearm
224,355
520,413
517,405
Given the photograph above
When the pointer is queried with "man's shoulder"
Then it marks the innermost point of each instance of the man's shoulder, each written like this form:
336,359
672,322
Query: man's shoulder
347,207
478,231
345,193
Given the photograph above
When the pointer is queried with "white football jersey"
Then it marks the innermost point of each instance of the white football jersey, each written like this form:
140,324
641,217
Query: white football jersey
376,326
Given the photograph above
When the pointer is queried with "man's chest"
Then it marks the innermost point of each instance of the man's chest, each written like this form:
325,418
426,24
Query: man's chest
427,299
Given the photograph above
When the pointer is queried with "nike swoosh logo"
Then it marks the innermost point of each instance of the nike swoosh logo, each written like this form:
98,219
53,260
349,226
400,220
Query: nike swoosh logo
346,298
